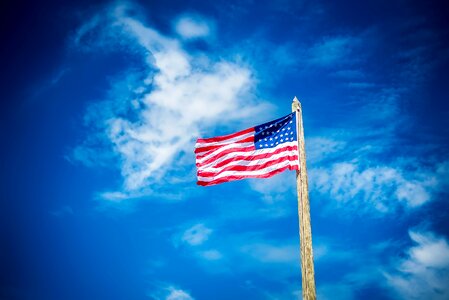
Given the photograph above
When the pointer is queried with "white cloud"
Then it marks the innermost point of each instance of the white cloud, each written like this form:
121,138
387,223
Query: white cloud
190,27
176,294
196,235
424,273
270,253
169,292
211,254
333,50
361,85
350,74
365,264
181,95
319,148
242,251
114,196
275,189
328,250
383,187
349,166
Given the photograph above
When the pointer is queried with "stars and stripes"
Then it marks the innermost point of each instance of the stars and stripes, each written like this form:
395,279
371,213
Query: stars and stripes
257,152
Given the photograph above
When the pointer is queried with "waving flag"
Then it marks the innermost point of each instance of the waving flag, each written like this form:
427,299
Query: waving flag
257,152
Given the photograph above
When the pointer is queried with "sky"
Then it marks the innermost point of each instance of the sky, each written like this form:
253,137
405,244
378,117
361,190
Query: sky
101,104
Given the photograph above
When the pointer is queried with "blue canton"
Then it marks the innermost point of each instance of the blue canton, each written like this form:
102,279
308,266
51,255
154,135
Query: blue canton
271,134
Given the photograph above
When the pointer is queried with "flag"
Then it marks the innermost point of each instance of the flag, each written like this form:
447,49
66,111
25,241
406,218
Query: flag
257,152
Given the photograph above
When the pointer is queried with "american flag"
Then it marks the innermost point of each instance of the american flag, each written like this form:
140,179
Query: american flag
257,152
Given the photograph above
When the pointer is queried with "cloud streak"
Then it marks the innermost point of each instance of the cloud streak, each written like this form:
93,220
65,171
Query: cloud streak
424,273
196,235
334,50
179,96
169,292
192,27
382,186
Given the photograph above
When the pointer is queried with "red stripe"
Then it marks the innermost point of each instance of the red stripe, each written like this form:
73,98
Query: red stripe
224,137
239,168
214,147
238,177
252,157
227,151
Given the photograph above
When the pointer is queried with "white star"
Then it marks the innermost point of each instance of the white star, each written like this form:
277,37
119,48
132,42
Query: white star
266,145
277,143
277,131
265,139
282,135
271,144
283,129
290,122
271,139
282,140
291,139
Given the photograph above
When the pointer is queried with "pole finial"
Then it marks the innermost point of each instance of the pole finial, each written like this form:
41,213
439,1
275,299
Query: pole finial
296,105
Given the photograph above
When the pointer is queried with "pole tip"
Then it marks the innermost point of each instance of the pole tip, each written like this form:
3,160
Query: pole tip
295,99
296,105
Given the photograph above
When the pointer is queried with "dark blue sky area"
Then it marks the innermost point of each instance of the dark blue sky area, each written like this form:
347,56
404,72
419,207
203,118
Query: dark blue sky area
101,104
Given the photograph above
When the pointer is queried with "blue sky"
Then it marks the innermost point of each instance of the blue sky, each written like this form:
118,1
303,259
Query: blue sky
102,103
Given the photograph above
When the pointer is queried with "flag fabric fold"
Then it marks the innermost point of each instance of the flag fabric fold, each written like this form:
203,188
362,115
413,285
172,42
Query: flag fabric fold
257,152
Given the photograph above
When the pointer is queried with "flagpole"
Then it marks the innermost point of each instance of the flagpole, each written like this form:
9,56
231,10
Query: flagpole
305,230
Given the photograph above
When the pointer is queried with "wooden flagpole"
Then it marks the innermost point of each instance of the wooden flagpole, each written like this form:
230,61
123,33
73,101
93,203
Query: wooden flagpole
305,230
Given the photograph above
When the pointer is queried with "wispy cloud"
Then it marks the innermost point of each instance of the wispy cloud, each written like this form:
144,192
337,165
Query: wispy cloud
246,250
361,85
196,235
196,238
211,254
320,148
349,74
359,267
421,274
337,53
354,165
193,27
169,292
271,253
48,84
333,50
275,192
424,273
153,123
381,187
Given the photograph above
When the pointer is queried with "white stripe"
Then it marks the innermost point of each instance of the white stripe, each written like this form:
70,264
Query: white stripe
251,162
245,154
221,149
227,141
250,173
